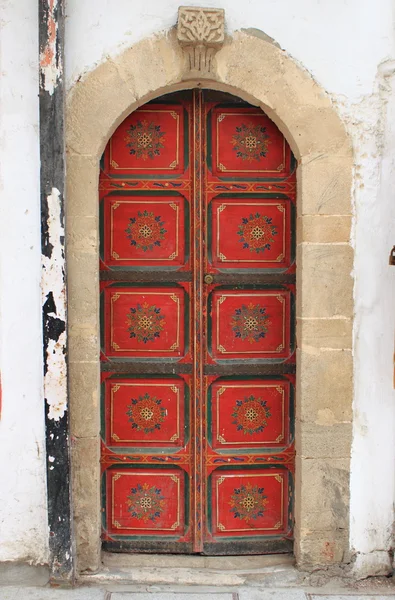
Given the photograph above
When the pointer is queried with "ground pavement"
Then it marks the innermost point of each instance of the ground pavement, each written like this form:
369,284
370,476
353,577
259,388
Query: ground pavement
184,593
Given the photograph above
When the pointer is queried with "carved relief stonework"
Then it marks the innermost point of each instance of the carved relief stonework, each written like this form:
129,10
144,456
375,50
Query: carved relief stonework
201,32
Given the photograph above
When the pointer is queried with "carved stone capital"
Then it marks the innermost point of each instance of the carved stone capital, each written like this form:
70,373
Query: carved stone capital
201,32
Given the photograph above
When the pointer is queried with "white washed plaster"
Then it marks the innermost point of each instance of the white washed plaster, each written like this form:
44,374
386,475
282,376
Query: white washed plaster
342,43
23,517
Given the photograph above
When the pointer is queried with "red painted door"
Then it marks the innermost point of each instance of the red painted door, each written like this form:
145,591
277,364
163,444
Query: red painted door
197,208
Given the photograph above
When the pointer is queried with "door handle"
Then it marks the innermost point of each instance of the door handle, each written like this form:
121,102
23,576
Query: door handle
208,279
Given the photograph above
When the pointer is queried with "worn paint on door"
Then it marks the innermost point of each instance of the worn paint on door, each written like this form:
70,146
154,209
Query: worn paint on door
197,209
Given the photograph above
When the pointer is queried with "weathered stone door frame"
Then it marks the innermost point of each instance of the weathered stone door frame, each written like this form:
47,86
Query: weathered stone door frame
258,71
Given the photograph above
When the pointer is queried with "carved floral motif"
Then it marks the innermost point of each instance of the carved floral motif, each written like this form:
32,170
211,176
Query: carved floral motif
201,31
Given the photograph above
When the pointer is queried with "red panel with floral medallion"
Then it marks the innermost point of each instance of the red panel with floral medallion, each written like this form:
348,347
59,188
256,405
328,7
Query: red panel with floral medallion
246,143
250,233
249,502
144,322
144,413
149,141
250,324
144,230
145,501
250,414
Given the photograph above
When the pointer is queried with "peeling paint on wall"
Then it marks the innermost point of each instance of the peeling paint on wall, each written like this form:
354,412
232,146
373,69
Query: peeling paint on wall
54,306
51,67
53,288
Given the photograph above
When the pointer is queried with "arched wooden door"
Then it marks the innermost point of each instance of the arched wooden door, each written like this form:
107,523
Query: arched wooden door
197,209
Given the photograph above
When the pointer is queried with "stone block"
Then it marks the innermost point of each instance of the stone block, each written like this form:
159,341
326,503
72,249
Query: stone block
324,185
94,111
84,343
83,289
85,458
271,594
323,494
82,185
324,386
320,441
321,548
38,593
323,229
84,392
170,596
328,333
151,64
83,235
324,282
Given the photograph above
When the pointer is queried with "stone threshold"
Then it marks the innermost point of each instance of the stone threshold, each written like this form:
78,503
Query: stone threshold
268,570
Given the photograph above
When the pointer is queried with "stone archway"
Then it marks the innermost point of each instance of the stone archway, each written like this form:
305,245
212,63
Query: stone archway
249,66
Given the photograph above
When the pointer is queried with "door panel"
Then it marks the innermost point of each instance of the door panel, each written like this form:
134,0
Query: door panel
151,141
249,414
154,227
249,323
144,321
145,502
247,144
249,233
198,352
145,413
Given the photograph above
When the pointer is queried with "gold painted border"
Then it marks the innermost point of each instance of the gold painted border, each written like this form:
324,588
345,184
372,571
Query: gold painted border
114,297
228,114
223,297
174,388
275,475
263,260
174,478
278,387
114,206
142,168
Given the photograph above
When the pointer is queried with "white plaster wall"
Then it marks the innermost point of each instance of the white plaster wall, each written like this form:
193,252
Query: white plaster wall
345,44
23,518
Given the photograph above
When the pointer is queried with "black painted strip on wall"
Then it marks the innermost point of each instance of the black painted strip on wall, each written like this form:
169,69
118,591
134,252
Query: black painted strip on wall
54,300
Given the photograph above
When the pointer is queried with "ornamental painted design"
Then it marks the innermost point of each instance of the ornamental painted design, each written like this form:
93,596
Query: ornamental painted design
145,322
250,322
250,142
146,413
145,503
248,502
146,231
145,140
251,415
256,232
